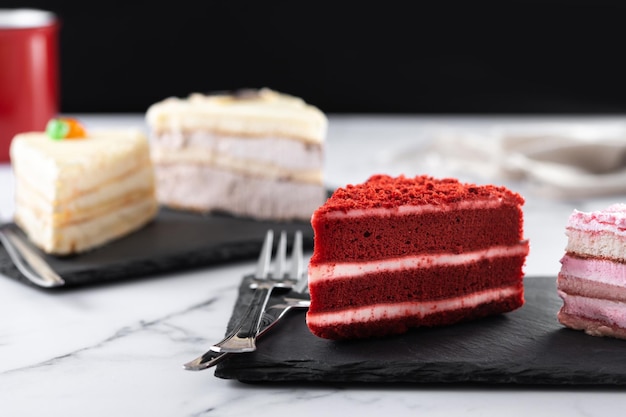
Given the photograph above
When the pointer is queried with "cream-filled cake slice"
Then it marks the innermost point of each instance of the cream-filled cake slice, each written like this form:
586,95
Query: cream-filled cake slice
395,253
72,195
255,153
592,279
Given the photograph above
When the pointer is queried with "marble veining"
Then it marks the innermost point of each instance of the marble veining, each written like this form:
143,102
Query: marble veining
163,326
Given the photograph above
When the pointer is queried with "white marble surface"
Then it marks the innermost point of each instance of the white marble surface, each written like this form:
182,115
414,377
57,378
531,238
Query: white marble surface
117,350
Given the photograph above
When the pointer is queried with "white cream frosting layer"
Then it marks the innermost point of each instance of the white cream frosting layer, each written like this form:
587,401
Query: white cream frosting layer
346,270
261,113
418,309
414,209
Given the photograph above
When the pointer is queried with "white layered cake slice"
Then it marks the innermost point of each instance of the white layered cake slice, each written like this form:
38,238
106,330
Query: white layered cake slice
75,194
254,153
592,279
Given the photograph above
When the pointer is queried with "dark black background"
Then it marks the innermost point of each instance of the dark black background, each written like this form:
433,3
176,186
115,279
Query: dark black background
428,57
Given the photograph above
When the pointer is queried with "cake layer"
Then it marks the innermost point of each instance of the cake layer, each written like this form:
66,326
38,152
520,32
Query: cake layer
89,203
90,233
600,317
594,269
590,326
602,244
241,195
206,147
389,236
61,170
334,271
574,285
263,113
414,284
384,319
261,157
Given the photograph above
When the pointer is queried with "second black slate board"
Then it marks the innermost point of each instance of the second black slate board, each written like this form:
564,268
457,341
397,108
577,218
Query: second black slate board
527,346
174,241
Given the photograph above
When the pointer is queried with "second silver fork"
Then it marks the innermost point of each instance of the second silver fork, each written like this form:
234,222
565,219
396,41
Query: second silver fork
243,337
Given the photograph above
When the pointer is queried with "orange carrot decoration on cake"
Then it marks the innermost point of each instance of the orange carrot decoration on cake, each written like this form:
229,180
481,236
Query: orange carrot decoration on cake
65,128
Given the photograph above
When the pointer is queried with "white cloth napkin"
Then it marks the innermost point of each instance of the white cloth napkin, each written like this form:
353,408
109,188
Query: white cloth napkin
561,161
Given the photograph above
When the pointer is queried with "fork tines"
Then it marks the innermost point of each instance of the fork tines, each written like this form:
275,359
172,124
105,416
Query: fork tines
263,268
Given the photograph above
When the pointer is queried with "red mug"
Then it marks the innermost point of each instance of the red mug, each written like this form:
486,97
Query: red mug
29,83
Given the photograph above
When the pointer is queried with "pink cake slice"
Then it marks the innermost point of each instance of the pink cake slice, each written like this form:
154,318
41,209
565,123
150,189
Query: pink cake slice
592,280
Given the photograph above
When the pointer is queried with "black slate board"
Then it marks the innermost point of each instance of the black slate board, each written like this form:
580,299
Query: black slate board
174,241
526,346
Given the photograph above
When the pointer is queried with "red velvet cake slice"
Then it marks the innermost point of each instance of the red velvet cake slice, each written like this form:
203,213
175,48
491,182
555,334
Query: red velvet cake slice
396,253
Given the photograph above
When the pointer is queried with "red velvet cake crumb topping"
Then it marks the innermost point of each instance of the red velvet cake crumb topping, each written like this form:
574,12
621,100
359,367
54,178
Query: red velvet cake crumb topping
383,191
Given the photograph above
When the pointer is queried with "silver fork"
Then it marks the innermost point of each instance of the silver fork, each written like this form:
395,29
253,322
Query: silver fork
27,261
243,337
212,358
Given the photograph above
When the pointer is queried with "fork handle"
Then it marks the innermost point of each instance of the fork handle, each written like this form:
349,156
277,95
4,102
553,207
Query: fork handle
31,265
212,358
243,337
